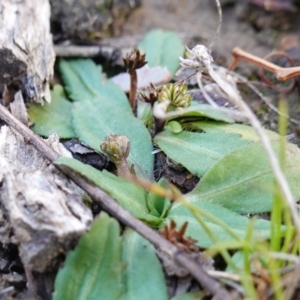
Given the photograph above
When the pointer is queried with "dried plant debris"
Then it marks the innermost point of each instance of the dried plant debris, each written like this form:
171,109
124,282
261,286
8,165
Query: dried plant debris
44,208
187,244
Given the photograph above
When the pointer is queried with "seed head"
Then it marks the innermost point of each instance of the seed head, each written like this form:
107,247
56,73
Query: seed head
134,60
150,95
199,59
177,95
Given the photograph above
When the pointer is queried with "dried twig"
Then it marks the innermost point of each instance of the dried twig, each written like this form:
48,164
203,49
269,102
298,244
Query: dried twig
224,275
86,51
106,45
281,74
112,207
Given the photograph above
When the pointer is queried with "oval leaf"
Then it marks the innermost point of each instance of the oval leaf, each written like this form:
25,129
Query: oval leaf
246,132
129,195
163,49
236,222
53,117
143,276
174,127
94,269
96,118
197,151
83,80
199,112
243,180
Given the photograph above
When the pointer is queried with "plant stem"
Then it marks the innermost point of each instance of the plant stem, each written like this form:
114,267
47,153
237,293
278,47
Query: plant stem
112,207
132,92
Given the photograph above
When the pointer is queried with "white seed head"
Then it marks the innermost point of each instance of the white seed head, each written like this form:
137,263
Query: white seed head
200,59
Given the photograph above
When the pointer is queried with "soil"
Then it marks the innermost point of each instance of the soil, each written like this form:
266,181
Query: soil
196,20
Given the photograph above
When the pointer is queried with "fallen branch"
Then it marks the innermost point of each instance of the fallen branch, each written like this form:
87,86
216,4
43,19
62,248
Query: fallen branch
87,51
112,207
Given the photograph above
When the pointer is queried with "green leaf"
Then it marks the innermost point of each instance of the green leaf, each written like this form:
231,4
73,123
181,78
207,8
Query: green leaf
129,195
197,151
246,132
236,222
201,112
243,180
162,48
238,261
94,269
174,126
83,80
54,117
102,109
95,118
190,296
143,275
158,205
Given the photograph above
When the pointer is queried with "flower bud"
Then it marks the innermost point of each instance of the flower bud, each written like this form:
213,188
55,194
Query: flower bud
116,148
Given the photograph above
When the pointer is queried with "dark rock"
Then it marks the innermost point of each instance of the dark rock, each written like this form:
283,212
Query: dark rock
83,21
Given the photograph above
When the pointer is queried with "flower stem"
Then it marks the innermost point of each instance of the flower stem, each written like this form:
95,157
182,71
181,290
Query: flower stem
132,92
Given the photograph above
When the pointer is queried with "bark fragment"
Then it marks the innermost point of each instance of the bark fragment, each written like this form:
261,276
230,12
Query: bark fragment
18,108
26,50
45,209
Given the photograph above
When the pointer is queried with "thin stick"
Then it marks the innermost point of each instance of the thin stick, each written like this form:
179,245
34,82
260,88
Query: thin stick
240,54
91,51
80,51
106,45
112,207
224,275
281,74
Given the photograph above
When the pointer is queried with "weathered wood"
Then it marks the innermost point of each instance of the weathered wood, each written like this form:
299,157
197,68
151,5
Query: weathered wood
18,108
26,50
45,209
